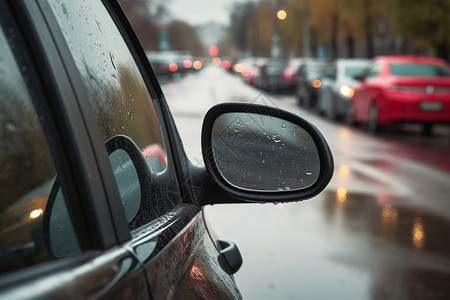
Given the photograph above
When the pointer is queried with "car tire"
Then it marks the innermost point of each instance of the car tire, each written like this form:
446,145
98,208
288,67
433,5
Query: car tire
300,101
373,125
350,116
334,111
427,129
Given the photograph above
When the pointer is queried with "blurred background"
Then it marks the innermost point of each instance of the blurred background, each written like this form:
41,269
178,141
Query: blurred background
319,28
380,229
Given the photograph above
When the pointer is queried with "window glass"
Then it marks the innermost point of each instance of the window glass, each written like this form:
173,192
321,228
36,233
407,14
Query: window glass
27,173
352,71
121,102
373,70
419,70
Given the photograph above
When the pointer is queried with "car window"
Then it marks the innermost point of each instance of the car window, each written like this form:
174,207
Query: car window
426,70
373,70
351,71
27,176
121,102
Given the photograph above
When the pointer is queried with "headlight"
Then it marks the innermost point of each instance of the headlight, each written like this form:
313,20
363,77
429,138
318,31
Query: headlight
346,91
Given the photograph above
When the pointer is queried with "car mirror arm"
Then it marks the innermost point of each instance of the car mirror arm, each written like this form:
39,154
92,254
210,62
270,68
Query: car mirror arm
206,189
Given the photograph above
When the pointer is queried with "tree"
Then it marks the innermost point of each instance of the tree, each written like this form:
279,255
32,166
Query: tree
183,37
423,24
242,21
144,16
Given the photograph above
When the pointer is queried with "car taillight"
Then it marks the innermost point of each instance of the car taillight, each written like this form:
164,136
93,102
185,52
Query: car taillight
173,67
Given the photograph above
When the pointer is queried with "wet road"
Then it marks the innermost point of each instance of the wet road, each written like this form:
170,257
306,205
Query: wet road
379,231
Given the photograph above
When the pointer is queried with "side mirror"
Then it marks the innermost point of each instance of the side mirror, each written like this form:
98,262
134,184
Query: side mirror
264,154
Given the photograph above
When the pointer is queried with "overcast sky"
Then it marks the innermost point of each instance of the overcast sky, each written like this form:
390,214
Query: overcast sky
198,12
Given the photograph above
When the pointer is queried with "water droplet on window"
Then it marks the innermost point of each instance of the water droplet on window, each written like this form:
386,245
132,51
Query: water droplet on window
309,173
283,126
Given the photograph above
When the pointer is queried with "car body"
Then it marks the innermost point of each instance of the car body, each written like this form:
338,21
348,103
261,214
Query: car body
309,82
168,63
290,74
338,85
270,75
403,89
251,68
97,197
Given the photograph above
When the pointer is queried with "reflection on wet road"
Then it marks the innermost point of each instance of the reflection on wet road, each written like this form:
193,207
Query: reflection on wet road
403,249
379,231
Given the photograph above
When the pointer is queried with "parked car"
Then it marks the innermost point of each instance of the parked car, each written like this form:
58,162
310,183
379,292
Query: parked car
309,81
403,89
161,63
252,70
270,75
168,63
338,85
97,197
290,74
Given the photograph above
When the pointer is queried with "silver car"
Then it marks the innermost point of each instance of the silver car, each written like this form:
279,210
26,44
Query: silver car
338,85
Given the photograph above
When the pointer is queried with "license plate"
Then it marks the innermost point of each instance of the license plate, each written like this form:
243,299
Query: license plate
431,106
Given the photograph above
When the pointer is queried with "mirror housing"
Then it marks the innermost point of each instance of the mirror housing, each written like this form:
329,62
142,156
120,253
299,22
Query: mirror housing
262,125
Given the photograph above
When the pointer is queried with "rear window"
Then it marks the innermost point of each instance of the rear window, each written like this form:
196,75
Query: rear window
419,70
316,68
353,71
275,68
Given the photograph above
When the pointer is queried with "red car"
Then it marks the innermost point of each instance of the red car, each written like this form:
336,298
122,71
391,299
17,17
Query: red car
402,89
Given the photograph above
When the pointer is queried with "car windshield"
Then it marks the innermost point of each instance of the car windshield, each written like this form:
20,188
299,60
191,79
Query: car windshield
352,71
419,70
380,229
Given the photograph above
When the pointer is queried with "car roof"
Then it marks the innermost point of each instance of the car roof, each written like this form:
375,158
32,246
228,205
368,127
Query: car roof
352,60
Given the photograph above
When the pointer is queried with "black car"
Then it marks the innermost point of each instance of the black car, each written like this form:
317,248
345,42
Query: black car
309,82
97,197
270,76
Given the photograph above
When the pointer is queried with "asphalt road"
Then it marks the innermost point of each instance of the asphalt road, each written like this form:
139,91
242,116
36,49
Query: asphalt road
379,231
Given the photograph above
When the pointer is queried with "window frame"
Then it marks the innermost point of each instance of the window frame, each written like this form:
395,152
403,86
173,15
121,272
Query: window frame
89,200
51,95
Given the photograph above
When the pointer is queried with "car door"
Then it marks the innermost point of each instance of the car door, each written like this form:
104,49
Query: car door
125,110
57,237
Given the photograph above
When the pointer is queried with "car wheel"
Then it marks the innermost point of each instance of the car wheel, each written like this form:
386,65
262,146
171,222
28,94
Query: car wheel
350,117
373,125
299,100
334,111
427,129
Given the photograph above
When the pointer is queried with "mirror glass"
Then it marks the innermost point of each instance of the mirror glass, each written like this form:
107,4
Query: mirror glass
264,153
